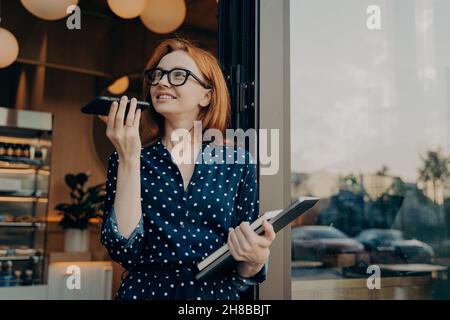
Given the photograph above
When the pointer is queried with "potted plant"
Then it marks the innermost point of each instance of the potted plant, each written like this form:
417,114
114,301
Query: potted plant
86,204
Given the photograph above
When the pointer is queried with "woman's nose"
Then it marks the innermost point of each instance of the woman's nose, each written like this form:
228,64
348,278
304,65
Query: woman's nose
165,80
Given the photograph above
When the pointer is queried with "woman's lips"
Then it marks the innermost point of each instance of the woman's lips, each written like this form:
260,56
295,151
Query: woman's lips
164,100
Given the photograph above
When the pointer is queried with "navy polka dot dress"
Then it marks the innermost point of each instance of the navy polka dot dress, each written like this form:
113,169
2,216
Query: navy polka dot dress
179,227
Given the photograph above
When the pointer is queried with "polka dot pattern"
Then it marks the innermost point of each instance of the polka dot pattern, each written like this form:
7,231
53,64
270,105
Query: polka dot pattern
179,227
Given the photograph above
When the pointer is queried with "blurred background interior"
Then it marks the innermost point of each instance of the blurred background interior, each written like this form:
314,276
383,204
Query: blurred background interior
49,149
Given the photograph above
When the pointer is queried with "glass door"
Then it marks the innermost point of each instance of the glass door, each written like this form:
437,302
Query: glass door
370,136
238,58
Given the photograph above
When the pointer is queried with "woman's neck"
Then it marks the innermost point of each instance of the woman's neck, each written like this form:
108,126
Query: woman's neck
188,140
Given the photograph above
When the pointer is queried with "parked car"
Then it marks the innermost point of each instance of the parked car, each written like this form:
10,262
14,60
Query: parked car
323,243
390,246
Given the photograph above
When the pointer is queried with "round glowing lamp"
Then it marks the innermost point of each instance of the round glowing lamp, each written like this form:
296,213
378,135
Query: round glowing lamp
48,9
163,16
127,9
119,86
9,48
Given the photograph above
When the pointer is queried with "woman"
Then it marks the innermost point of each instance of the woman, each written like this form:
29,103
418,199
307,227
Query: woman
163,216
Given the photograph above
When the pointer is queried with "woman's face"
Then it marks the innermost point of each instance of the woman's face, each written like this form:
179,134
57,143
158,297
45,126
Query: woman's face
189,97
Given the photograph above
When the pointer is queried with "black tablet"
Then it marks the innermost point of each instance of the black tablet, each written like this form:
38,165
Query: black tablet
101,106
221,259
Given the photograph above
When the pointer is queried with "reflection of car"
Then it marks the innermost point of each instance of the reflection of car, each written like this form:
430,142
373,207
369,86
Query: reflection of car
322,243
390,246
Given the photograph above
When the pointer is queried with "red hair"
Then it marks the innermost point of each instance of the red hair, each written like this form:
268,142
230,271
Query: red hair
214,116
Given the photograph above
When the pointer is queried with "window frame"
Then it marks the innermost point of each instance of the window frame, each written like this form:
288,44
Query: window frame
274,113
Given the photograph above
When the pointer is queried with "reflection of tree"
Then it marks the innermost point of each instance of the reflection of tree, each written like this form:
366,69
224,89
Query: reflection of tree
398,187
383,171
402,206
435,169
352,184
384,210
351,210
447,215
345,212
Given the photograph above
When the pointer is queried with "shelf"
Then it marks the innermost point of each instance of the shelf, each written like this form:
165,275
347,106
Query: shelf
34,141
25,190
54,216
20,160
18,198
22,194
5,166
22,224
20,258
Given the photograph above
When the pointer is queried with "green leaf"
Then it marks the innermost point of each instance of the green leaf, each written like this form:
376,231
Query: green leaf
61,206
71,181
86,204
82,178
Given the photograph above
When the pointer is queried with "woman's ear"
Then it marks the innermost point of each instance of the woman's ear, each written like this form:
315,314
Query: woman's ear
206,98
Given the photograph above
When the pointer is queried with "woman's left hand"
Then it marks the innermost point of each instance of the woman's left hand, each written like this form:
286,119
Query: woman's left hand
247,246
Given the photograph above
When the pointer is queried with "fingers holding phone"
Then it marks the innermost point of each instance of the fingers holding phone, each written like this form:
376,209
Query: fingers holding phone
123,128
133,115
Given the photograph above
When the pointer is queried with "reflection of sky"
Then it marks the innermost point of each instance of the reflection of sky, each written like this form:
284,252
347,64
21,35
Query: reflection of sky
362,99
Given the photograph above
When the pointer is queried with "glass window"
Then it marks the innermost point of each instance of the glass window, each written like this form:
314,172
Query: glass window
370,136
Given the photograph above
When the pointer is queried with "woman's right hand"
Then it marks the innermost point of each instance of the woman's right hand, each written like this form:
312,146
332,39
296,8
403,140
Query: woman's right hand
124,133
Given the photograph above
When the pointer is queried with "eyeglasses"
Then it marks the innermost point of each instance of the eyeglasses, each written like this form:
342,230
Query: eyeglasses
176,76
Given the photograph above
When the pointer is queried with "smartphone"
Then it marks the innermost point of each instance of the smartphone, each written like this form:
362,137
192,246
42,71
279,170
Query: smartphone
102,104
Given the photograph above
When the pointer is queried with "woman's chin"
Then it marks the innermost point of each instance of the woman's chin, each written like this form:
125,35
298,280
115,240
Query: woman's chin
163,107
168,109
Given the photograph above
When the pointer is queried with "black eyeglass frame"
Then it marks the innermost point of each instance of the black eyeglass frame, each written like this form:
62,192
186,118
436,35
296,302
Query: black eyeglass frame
164,72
